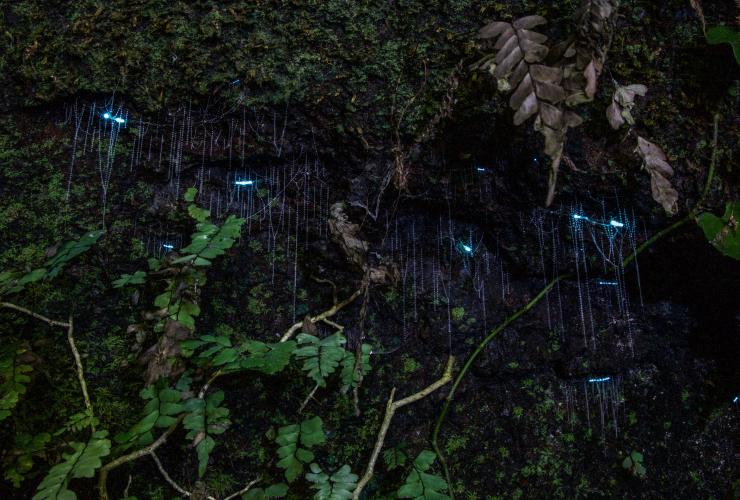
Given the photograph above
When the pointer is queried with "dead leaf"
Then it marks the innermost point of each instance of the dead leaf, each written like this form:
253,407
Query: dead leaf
656,163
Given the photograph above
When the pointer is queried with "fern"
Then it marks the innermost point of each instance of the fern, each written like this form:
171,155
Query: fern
420,485
205,419
338,486
14,373
351,378
320,357
275,491
82,462
161,411
252,355
20,460
78,422
138,278
292,457
14,282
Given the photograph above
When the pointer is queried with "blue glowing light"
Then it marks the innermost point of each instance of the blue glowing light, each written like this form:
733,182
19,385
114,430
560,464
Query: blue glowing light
615,223
168,246
467,248
480,169
244,183
608,283
577,216
118,119
736,400
235,82
598,380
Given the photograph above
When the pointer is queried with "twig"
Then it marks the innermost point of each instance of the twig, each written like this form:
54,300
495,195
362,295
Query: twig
390,409
147,450
308,398
80,371
35,315
245,489
321,317
167,477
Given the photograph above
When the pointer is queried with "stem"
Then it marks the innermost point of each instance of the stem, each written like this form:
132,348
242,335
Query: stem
80,372
390,409
167,477
33,314
308,398
321,317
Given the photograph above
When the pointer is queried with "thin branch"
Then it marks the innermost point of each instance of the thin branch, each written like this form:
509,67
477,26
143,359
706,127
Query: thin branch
321,317
38,316
308,398
390,409
245,489
167,477
80,371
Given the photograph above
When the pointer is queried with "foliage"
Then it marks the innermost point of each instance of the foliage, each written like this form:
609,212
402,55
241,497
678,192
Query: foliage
82,462
623,100
655,162
275,491
162,407
205,419
634,464
321,357
14,282
422,485
251,355
14,370
78,422
352,372
394,458
20,460
292,457
722,232
544,81
725,34
338,486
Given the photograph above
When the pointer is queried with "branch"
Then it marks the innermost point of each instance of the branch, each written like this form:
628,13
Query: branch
390,409
321,317
80,371
35,315
245,489
167,477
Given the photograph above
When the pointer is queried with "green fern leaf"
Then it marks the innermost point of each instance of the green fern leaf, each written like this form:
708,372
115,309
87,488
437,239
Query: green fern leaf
70,250
267,358
320,357
338,486
14,376
161,410
205,419
82,462
292,457
420,485
138,278
275,491
351,377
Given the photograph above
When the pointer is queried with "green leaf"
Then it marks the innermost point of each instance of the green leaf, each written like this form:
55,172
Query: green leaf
422,485
70,250
138,278
320,357
394,458
723,232
190,194
82,462
275,491
14,376
350,377
161,411
267,358
338,486
725,34
309,433
205,419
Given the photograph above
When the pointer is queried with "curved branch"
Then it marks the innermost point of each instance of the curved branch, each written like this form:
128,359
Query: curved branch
321,317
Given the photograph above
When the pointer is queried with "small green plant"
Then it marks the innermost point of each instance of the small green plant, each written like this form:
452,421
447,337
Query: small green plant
722,232
321,357
420,484
634,464
292,456
458,313
205,419
338,486
82,462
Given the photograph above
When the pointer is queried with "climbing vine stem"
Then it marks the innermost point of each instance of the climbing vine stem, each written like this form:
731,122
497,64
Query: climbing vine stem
529,305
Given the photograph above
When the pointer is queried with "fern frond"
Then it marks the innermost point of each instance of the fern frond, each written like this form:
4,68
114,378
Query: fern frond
82,462
338,486
14,372
321,357
205,419
161,410
420,485
292,457
351,377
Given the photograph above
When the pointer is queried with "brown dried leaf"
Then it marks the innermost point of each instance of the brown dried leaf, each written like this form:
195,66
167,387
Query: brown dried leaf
656,163
528,108
614,115
529,22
